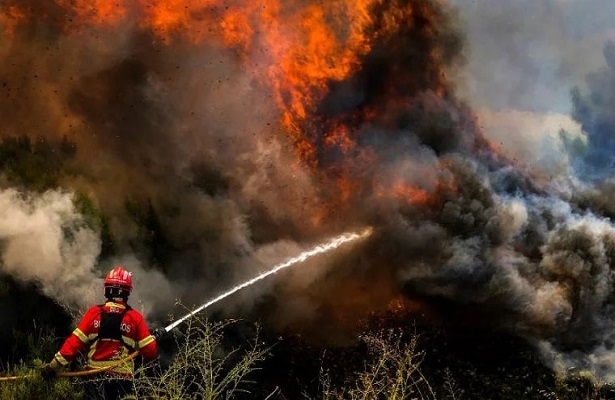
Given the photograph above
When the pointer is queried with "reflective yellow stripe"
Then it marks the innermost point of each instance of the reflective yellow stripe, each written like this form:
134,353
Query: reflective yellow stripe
146,341
91,352
61,359
92,336
130,342
125,368
79,333
113,304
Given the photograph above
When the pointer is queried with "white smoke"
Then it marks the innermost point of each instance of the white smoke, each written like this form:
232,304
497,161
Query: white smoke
531,139
523,58
45,240
527,54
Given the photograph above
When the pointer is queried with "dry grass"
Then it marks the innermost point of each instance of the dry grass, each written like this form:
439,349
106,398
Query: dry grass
202,367
393,372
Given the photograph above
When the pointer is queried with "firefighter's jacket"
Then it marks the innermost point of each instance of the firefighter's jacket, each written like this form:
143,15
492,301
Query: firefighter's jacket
103,351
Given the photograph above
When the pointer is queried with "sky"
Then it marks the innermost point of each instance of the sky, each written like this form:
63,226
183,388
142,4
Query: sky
523,58
526,55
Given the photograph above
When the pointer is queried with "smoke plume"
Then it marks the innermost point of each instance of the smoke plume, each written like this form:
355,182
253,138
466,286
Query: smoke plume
44,239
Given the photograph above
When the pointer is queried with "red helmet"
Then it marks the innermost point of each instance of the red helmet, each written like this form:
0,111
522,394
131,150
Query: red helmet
120,278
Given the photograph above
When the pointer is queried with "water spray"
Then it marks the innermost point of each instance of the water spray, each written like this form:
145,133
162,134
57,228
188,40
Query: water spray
319,249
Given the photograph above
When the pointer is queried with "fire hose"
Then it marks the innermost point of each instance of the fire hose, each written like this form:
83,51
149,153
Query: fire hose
322,248
71,374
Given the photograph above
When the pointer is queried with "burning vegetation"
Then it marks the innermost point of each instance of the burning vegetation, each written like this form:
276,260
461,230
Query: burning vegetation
201,141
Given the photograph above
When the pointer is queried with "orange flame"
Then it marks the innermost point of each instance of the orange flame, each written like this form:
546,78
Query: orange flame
408,193
190,19
412,195
297,48
94,12
304,66
10,18
301,47
236,29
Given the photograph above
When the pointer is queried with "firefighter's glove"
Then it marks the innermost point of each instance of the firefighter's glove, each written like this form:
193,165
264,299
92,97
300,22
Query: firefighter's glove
159,333
50,370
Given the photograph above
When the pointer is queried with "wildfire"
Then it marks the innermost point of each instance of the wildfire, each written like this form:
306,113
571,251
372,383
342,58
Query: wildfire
298,49
412,195
350,80
415,195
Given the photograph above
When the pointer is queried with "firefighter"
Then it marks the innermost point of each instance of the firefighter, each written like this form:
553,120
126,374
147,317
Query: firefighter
110,332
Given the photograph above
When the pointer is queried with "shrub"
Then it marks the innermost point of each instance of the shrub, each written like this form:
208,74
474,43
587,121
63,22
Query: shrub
34,387
392,371
41,346
202,367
